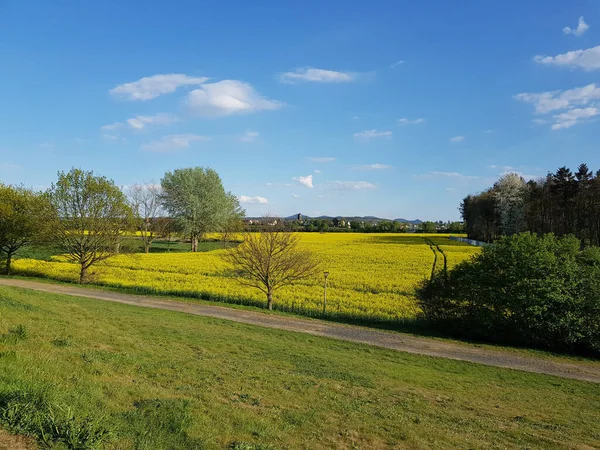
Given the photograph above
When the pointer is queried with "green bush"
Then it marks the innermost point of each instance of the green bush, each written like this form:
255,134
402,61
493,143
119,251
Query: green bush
525,289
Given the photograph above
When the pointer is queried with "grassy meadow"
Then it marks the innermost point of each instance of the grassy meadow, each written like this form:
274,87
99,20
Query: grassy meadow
372,276
83,373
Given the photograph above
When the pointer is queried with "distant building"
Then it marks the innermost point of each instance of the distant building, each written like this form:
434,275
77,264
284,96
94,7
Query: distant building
299,217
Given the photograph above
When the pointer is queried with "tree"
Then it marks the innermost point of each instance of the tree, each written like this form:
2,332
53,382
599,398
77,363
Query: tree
195,197
144,200
270,260
523,289
21,220
510,191
232,222
91,215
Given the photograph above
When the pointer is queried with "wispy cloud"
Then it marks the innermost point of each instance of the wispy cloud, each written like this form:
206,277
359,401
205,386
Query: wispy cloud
47,145
588,59
173,142
457,139
228,97
321,159
349,185
309,74
500,167
317,171
9,166
151,87
396,64
549,101
253,200
405,121
249,136
139,122
305,181
577,104
373,167
372,134
582,27
447,175
112,126
570,118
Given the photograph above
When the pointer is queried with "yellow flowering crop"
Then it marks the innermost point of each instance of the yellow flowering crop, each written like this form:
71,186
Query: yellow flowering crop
372,276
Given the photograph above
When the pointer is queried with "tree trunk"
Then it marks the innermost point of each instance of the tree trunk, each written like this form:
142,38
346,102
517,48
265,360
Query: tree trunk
194,244
270,301
82,274
8,261
146,247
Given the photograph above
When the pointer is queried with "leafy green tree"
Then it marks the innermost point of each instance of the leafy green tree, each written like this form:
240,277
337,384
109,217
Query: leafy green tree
195,197
91,215
523,289
22,220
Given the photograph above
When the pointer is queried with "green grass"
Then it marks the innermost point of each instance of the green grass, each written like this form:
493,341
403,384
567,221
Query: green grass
119,376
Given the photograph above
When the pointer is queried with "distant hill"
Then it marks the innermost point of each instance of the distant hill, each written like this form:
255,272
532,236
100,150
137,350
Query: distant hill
357,218
413,222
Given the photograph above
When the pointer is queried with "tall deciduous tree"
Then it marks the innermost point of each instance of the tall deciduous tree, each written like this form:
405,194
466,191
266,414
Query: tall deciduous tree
22,220
195,197
91,216
510,192
270,260
145,203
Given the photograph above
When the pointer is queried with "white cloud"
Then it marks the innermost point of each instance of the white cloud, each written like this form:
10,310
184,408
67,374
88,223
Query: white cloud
588,59
457,139
582,27
450,175
503,168
173,142
249,136
9,166
371,134
546,102
79,140
349,185
252,200
295,196
278,184
373,167
355,118
305,181
405,121
110,137
228,97
111,127
451,189
570,102
396,64
321,159
148,88
47,146
317,171
140,122
571,117
316,75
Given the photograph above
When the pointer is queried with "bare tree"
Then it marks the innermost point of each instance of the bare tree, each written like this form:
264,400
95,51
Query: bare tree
144,200
270,260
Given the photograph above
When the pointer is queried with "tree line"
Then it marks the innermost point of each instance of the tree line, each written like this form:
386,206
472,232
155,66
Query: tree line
561,203
88,216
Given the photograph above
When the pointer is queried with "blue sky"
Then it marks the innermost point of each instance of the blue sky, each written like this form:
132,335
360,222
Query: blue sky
387,108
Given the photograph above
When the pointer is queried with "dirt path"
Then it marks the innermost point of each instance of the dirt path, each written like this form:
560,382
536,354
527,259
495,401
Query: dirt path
391,340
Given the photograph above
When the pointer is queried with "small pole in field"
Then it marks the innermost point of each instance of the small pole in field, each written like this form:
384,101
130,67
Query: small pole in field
325,274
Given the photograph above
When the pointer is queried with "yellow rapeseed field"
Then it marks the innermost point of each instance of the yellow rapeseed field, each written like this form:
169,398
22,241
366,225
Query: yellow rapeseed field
372,276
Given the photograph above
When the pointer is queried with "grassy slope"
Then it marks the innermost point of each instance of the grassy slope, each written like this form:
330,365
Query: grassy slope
244,383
